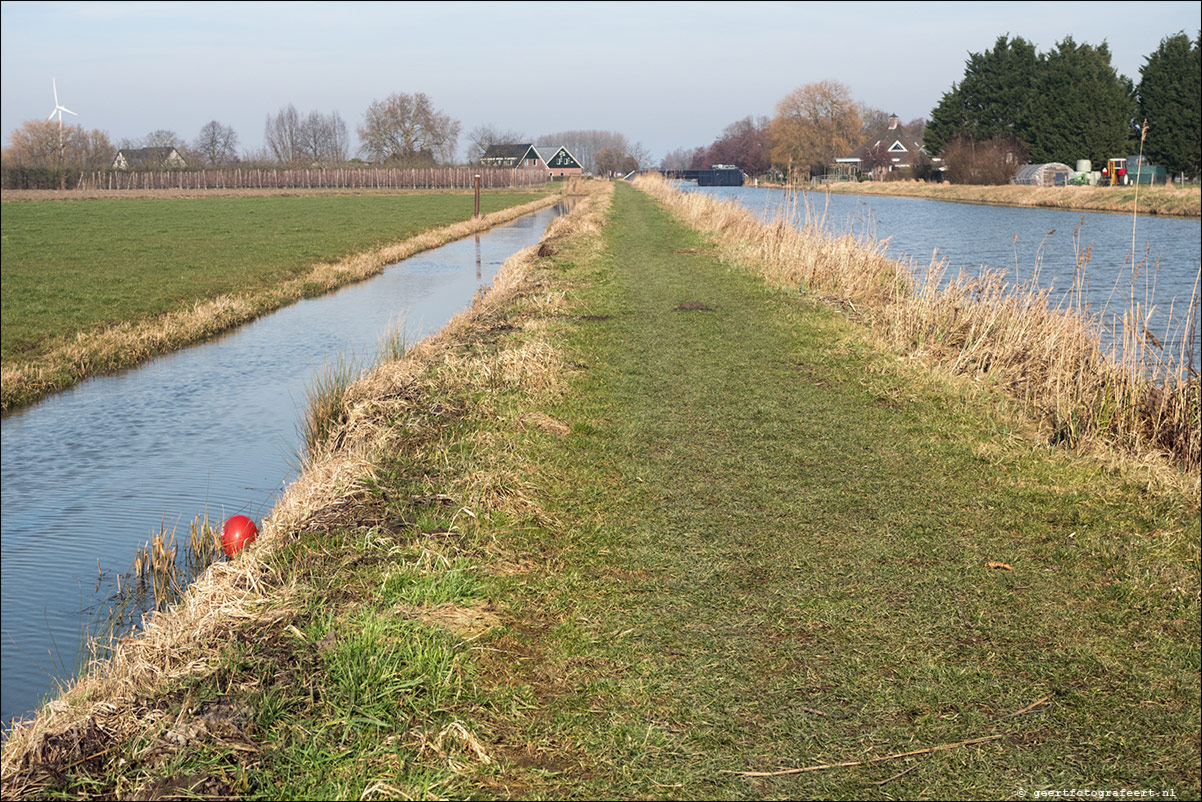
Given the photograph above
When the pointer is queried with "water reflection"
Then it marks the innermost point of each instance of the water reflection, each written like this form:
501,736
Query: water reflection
90,473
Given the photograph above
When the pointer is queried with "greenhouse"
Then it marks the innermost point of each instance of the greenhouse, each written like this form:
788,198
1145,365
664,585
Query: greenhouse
1043,175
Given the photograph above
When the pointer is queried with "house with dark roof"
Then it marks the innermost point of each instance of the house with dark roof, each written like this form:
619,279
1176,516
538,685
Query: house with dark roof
893,147
556,160
164,158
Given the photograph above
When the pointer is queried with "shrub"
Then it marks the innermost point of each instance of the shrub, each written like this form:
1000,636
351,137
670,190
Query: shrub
985,161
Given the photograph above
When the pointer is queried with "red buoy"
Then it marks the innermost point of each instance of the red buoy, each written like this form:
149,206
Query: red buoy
238,533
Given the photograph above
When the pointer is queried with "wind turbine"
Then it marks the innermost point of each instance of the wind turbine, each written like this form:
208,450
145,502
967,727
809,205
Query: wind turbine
59,108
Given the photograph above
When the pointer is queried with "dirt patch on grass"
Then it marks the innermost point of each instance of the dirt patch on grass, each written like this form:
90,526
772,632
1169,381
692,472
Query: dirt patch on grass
466,621
545,422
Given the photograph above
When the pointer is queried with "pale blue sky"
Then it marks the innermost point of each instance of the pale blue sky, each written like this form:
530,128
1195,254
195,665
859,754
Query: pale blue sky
667,75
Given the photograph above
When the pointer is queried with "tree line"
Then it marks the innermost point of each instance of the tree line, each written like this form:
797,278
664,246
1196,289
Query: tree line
1012,105
812,126
1069,103
401,130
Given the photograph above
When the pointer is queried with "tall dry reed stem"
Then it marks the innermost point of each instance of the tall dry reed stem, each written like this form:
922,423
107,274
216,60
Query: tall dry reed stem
1049,356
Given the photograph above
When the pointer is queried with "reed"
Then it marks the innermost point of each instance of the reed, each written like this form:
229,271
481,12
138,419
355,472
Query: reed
1134,398
325,408
1171,201
161,571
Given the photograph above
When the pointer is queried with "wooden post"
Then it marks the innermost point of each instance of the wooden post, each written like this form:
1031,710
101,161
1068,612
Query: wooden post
477,214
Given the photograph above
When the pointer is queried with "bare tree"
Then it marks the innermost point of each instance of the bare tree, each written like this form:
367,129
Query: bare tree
987,161
282,133
36,144
614,161
408,129
483,137
163,138
678,159
814,125
585,144
640,155
872,120
323,138
743,143
217,144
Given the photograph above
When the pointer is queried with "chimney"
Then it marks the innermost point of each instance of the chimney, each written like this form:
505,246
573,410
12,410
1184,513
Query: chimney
892,121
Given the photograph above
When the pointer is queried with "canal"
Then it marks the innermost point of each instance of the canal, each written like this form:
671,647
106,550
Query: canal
1162,277
91,474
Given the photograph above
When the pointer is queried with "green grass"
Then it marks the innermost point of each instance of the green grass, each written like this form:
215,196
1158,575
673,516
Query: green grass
776,544
73,267
762,544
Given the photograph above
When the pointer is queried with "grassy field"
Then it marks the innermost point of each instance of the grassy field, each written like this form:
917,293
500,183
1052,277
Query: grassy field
72,267
95,285
642,526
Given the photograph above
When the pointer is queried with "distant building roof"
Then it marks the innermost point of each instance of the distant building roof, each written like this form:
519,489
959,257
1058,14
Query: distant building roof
506,153
154,158
900,141
551,156
557,157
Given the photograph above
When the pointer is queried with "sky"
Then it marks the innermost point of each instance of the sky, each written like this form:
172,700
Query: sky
666,75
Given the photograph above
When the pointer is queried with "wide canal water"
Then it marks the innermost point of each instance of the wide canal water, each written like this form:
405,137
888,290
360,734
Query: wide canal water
1168,251
91,474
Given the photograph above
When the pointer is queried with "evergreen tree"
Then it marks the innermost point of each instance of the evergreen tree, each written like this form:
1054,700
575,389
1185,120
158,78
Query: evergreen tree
992,101
1170,99
1081,108
1063,105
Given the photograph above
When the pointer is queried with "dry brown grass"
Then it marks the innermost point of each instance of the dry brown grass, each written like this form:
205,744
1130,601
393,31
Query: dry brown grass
1011,337
1171,200
109,706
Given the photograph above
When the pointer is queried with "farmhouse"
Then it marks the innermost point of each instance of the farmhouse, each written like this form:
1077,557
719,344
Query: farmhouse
894,147
165,158
556,160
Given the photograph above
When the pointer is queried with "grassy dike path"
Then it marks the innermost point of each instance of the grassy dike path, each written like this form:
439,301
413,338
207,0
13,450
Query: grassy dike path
781,559
643,527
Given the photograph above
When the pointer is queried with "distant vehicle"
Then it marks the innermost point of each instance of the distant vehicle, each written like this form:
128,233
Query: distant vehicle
1133,170
1115,172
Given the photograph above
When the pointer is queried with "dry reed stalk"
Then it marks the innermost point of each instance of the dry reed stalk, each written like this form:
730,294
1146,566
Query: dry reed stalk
186,639
1049,357
1171,201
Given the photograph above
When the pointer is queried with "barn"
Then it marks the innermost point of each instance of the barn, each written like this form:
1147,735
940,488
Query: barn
557,160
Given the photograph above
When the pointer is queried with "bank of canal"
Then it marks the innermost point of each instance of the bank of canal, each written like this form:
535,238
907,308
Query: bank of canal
1052,247
91,474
